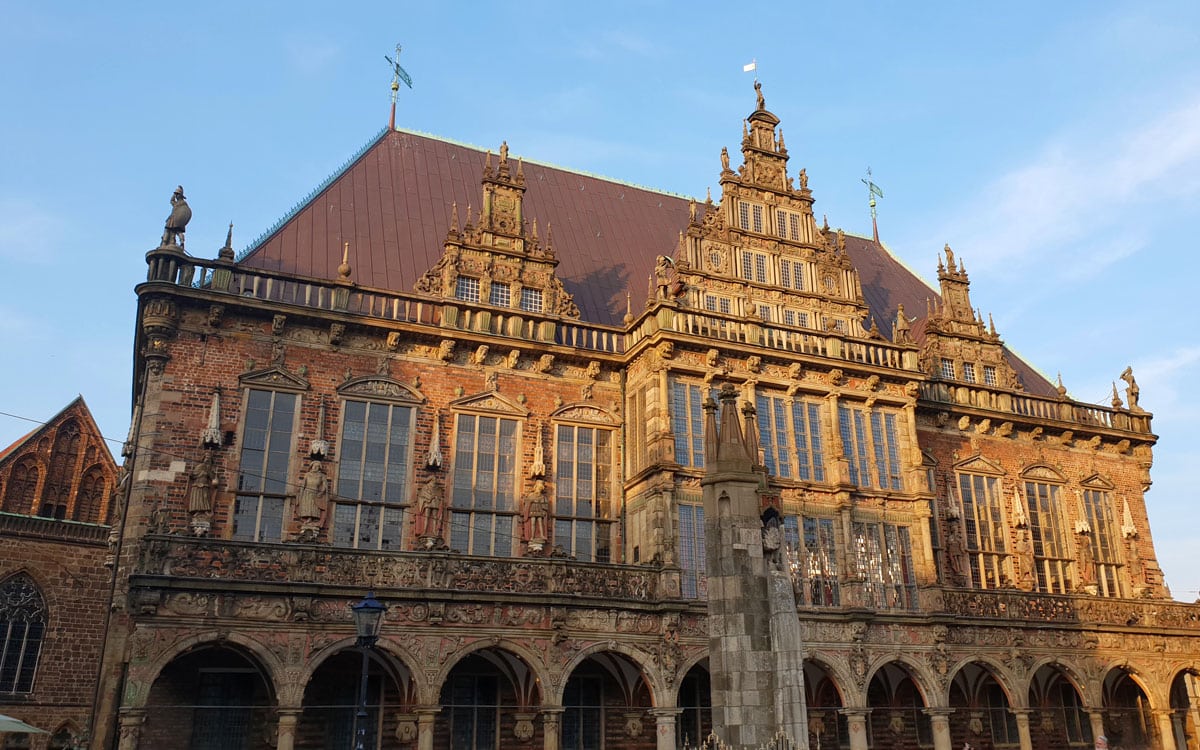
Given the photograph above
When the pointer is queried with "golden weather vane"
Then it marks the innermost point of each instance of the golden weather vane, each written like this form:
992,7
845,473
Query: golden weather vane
398,74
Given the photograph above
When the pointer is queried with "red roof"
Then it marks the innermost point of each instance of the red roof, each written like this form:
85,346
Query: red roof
393,205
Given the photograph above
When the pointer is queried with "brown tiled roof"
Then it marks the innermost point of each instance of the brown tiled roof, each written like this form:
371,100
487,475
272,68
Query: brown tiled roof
393,205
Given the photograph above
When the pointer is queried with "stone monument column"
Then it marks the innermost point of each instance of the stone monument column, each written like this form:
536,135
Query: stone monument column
551,726
856,721
664,726
939,719
286,734
1022,717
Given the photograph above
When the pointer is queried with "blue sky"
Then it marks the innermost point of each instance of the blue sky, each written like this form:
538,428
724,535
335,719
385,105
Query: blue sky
1055,146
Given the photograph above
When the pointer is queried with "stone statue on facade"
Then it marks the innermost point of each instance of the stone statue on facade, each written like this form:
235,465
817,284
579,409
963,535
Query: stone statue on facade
537,508
1132,390
201,485
177,222
902,333
956,556
312,499
1023,559
429,503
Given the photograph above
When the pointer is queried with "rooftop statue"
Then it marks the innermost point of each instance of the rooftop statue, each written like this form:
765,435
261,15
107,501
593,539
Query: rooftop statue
177,222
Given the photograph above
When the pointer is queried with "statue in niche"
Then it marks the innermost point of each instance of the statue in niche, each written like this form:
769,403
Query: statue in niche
312,500
956,556
538,509
1023,553
1086,562
429,502
203,483
177,222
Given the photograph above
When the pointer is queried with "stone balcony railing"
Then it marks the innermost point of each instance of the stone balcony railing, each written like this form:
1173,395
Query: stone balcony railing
230,561
1066,609
171,266
742,332
1039,408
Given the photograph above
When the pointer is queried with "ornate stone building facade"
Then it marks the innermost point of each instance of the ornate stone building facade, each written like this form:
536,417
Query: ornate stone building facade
56,484
477,386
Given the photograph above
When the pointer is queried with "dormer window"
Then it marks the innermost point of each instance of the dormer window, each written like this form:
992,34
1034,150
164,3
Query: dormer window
531,300
787,224
969,372
500,294
754,266
467,289
947,368
791,274
989,375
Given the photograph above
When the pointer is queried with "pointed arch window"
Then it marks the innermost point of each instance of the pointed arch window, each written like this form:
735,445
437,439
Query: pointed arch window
23,625
21,492
91,494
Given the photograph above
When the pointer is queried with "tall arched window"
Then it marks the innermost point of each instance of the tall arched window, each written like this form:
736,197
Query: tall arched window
22,487
1044,506
61,473
90,495
22,624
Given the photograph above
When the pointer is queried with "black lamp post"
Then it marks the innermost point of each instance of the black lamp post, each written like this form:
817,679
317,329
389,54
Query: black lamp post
368,619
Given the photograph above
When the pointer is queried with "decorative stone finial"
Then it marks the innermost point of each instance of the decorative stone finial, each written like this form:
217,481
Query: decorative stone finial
344,269
226,253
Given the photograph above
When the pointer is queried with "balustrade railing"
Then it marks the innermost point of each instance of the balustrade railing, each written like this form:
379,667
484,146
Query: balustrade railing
187,557
1035,407
173,267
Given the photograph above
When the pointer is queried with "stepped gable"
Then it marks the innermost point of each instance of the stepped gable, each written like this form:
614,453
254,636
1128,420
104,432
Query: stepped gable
394,206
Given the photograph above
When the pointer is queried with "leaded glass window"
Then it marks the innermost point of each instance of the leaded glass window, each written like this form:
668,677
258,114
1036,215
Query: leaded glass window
1049,549
531,300
1098,506
373,475
983,518
583,714
474,711
467,289
692,551
883,554
500,294
870,442
947,368
482,503
23,625
687,423
264,464
813,555
583,492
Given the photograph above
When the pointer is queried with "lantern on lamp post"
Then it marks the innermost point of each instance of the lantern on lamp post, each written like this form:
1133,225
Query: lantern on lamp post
368,619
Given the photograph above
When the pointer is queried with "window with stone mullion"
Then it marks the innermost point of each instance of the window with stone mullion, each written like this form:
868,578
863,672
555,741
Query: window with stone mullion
482,498
22,626
373,470
1049,548
884,559
263,465
984,524
1099,508
583,492
687,423
692,550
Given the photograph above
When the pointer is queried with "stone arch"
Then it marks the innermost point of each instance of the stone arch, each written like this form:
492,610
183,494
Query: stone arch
1184,699
603,685
65,736
1003,677
218,689
640,659
21,489
980,692
24,622
919,673
535,665
836,669
328,694
255,652
898,690
1055,695
93,488
1069,671
694,699
825,692
1128,698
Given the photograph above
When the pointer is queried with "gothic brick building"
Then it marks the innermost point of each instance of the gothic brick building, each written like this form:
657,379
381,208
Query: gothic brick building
56,484
476,385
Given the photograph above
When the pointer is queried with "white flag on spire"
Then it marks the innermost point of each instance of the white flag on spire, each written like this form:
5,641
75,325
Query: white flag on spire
752,65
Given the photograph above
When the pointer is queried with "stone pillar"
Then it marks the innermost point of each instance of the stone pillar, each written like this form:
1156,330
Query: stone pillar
1022,717
1166,732
551,726
664,726
939,719
425,720
1097,721
856,719
286,734
129,724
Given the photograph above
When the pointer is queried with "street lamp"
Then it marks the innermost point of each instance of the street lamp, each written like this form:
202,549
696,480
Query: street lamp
368,619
